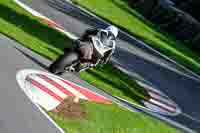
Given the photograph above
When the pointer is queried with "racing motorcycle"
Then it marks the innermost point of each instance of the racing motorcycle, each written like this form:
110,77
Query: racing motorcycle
71,61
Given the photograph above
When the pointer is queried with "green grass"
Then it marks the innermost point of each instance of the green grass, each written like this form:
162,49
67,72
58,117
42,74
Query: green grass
24,28
112,119
119,13
28,30
111,80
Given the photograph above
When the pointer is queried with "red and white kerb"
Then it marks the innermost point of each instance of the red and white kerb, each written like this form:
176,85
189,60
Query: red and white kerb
159,102
49,90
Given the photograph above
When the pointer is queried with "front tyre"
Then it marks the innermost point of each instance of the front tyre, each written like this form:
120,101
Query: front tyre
58,66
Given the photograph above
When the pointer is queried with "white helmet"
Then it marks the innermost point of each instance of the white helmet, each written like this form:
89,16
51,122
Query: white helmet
113,30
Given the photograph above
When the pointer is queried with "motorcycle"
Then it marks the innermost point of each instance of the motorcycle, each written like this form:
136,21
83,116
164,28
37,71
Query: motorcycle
71,61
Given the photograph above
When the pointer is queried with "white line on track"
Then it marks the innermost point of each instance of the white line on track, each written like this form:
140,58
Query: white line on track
37,14
162,105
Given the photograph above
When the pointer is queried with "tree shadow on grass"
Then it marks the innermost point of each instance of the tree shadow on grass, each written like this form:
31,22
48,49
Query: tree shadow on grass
126,80
35,28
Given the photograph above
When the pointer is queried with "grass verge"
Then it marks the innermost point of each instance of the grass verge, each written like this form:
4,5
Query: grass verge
111,80
21,26
119,13
111,119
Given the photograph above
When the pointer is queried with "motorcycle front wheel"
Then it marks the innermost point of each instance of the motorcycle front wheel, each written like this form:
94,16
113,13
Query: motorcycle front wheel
65,60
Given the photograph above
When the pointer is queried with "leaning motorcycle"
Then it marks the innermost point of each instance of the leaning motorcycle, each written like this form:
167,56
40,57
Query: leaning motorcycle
71,60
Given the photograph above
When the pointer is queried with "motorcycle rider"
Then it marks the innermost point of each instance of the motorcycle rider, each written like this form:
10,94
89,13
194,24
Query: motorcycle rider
105,48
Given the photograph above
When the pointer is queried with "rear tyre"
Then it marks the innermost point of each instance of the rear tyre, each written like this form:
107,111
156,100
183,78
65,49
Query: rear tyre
58,66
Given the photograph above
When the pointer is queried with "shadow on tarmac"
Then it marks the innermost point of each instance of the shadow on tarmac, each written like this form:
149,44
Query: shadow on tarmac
33,59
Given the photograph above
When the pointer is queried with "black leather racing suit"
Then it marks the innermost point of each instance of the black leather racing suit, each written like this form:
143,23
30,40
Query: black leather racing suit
85,47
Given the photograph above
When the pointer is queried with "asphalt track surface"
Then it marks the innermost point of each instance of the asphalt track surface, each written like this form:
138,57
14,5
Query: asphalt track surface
17,113
132,56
